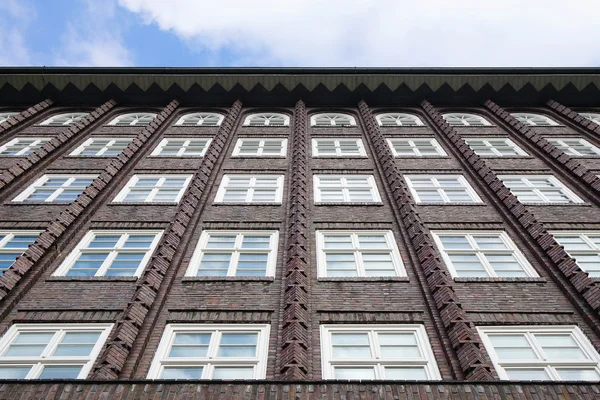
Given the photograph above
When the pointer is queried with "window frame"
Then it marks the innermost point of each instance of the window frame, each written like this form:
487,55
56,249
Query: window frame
344,188
9,235
575,199
249,117
508,242
160,359
37,140
90,141
46,359
116,119
161,178
338,151
529,121
489,146
398,117
416,152
332,116
240,142
468,188
70,121
465,123
159,147
181,120
583,234
578,336
219,198
328,362
74,254
570,150
38,183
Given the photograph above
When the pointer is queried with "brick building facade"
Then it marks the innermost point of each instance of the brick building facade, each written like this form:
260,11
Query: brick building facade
299,233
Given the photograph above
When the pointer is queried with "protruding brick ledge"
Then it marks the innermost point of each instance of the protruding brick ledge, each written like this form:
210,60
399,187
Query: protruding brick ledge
574,117
574,167
445,305
295,337
562,262
22,166
308,390
128,327
24,116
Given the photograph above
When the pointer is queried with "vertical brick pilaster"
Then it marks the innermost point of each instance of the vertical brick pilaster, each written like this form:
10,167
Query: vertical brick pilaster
450,319
583,292
294,359
153,282
24,116
571,165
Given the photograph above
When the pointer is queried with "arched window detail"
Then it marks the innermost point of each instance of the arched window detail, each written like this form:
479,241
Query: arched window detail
64,119
200,119
534,119
594,117
460,119
133,119
6,115
267,119
332,119
398,119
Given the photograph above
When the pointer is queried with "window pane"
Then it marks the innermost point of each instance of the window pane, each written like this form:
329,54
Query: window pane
578,374
405,373
527,374
182,373
233,373
60,372
354,373
14,371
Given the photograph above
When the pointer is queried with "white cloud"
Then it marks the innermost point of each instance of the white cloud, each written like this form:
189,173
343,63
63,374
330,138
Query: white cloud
14,18
384,32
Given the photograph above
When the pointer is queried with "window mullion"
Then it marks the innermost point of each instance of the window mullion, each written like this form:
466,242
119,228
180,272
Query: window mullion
107,263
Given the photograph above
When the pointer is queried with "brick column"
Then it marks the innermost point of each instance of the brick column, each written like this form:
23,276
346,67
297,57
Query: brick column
153,284
574,117
294,358
24,116
578,287
450,319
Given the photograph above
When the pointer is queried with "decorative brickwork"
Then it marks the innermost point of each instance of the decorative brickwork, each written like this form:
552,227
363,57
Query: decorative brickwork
294,328
128,326
456,324
574,117
24,116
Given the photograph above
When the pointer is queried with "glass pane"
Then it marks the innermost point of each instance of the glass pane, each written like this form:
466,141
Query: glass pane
578,374
72,350
14,371
527,374
182,373
406,373
233,373
192,338
256,242
353,373
60,372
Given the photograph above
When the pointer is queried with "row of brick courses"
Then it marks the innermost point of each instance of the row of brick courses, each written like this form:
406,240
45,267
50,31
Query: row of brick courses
24,117
574,117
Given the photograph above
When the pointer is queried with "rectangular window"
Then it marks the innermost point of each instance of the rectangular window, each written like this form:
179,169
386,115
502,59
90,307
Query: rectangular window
260,147
12,245
110,253
575,147
250,189
495,147
154,189
584,247
242,253
345,189
55,188
365,352
181,147
44,351
358,254
531,189
556,353
22,146
338,148
416,147
105,147
482,254
441,189
199,351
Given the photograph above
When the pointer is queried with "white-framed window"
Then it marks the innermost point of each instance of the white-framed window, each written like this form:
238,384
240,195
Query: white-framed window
51,351
495,147
539,353
575,146
55,188
64,119
358,254
133,119
182,147
416,147
398,119
267,119
13,244
369,352
239,253
6,115
106,147
154,189
584,247
534,119
594,117
203,351
482,254
260,147
111,253
332,119
22,146
338,147
345,189
462,119
441,189
531,189
200,119
257,188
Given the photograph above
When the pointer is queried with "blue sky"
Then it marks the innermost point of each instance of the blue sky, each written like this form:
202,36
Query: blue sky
388,33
